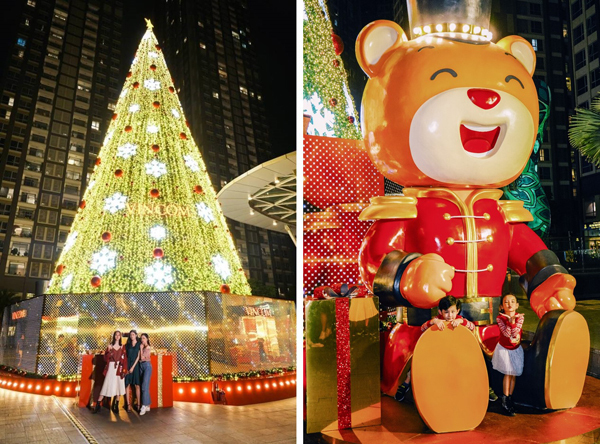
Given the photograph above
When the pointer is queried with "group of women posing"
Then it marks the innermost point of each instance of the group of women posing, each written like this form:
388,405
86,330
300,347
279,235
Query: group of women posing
127,367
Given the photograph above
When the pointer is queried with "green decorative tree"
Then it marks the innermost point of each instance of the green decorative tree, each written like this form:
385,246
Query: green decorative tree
584,132
326,96
150,220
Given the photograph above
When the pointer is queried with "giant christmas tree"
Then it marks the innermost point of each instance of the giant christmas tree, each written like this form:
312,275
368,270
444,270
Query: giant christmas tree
326,96
149,219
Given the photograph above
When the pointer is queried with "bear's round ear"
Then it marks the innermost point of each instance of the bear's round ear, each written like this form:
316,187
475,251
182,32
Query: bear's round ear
521,49
374,40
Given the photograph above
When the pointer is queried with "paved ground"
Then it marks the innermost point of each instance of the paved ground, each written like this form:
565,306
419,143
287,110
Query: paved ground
32,419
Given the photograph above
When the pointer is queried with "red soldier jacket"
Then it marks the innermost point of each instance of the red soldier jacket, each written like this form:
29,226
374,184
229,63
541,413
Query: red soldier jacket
465,322
118,356
510,333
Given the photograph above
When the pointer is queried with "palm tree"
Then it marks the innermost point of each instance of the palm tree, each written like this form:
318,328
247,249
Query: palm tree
584,133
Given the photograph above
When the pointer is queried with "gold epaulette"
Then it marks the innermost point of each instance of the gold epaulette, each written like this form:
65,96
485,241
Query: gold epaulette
513,211
390,207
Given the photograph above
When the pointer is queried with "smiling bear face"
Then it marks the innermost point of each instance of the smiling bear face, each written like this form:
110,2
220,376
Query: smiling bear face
440,111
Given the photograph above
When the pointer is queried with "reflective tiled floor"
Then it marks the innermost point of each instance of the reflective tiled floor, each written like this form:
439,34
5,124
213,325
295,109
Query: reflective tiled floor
33,419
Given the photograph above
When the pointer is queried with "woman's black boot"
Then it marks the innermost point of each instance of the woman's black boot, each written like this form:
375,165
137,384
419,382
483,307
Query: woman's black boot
115,404
507,407
97,407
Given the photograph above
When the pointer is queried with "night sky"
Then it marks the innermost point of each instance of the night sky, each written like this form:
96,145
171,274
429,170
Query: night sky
273,27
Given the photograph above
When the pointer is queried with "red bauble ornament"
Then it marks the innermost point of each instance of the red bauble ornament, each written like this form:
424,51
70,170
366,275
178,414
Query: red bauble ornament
128,129
198,189
333,101
114,117
118,172
187,123
96,281
106,236
129,74
225,289
82,204
60,269
338,44
158,253
154,192
171,89
351,119
153,67
98,161
157,47
185,259
183,136
336,63
136,85
156,104
155,148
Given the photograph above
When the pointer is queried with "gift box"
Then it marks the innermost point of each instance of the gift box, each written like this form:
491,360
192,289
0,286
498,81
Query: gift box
342,363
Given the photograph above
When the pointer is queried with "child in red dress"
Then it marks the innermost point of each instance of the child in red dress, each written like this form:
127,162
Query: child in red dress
508,356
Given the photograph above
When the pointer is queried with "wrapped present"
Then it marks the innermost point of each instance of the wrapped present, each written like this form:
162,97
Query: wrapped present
342,362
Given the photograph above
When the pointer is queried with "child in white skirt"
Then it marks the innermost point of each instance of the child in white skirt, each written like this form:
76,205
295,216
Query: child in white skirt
508,356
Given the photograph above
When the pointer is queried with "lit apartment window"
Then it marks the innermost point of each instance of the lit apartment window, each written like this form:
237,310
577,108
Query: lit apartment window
11,101
590,210
20,54
243,90
202,45
215,95
534,43
95,125
26,22
31,3
21,42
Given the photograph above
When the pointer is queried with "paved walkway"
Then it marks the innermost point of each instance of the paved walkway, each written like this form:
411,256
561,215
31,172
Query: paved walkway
32,419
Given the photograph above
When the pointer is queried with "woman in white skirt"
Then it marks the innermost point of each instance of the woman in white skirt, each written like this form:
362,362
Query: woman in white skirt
114,373
508,356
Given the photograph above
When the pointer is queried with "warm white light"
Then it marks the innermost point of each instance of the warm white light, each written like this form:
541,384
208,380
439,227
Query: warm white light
466,28
221,266
175,113
180,390
153,55
103,260
427,29
193,390
158,232
417,31
127,150
152,129
191,163
476,30
228,389
439,28
115,202
489,35
205,212
156,168
239,388
452,26
134,108
205,390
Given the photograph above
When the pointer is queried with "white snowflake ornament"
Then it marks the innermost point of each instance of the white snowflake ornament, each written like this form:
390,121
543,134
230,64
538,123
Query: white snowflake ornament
205,212
127,150
221,266
153,55
175,113
67,281
191,163
158,232
104,260
159,275
152,128
70,241
152,84
156,168
115,202
134,108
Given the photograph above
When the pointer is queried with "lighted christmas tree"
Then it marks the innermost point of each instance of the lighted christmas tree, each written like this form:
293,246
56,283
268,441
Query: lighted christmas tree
150,220
326,96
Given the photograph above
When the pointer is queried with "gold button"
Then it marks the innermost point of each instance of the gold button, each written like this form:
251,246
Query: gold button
490,267
490,239
450,241
486,216
446,216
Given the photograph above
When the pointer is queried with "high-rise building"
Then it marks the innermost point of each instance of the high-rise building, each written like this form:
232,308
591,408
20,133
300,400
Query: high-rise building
543,24
59,82
583,30
209,49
